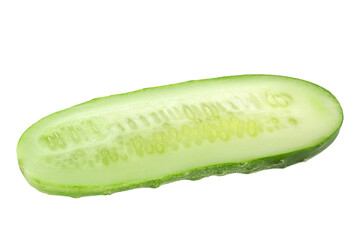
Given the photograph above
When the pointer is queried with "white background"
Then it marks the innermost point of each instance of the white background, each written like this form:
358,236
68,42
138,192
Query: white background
55,54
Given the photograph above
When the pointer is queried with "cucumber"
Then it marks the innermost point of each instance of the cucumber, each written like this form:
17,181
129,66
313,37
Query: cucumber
190,130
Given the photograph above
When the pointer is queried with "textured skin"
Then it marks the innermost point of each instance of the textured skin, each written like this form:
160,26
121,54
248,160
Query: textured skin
278,161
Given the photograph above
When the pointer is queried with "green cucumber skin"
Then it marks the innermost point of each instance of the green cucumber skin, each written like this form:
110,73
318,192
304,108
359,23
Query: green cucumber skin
277,161
251,166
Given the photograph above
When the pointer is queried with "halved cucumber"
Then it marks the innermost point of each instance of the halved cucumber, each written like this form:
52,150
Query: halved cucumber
188,130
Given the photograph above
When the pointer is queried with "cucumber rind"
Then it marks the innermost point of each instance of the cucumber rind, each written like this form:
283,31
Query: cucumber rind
254,165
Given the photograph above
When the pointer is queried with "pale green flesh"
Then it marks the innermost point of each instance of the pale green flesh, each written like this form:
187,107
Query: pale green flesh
146,135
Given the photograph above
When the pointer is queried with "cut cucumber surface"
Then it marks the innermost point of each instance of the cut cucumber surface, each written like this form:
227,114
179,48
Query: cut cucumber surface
187,130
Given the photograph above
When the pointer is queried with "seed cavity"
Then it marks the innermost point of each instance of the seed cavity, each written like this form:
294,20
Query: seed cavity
224,136
232,105
124,156
188,112
93,127
185,130
120,127
173,133
198,141
139,152
178,113
274,120
155,117
160,148
220,107
105,156
164,116
281,101
149,148
132,124
174,146
252,132
292,121
269,129
278,100
185,125
171,114
158,137
144,120
187,143
214,133
209,111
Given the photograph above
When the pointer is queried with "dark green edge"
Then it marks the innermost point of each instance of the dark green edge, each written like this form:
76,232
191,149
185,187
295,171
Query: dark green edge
251,166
